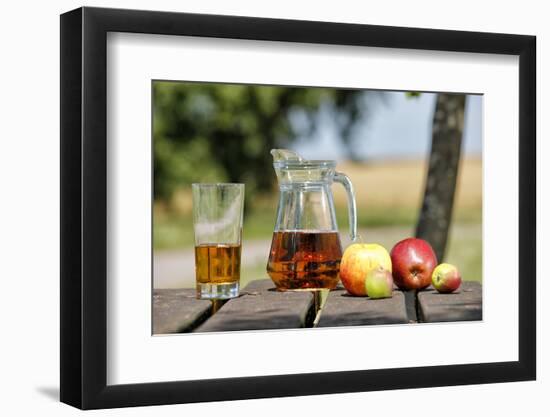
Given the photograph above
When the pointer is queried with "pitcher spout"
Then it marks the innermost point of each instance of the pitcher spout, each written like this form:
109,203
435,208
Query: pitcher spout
280,155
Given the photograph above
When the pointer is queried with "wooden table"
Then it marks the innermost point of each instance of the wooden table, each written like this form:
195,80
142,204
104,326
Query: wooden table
260,306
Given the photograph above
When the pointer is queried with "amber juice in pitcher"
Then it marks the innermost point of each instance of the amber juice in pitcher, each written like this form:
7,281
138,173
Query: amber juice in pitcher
302,259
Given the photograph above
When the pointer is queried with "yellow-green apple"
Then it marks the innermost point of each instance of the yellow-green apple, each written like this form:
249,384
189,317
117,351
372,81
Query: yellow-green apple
446,278
358,260
413,261
379,283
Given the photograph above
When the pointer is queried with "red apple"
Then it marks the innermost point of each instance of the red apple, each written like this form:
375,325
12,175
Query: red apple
358,260
446,278
413,261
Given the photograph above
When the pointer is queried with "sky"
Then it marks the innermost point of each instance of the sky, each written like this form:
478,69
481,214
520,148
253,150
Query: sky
398,127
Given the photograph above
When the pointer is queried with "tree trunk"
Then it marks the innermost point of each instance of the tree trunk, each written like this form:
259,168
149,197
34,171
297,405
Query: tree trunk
437,208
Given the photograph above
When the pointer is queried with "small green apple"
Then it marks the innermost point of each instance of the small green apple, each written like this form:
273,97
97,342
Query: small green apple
379,283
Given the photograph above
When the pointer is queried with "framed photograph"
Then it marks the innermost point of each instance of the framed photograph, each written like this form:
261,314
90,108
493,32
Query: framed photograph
257,208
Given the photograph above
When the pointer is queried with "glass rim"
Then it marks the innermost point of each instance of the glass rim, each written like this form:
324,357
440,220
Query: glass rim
217,184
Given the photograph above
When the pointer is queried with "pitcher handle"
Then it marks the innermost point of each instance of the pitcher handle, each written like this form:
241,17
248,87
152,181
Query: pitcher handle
352,209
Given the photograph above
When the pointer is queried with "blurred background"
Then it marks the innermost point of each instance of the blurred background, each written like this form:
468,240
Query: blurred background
205,132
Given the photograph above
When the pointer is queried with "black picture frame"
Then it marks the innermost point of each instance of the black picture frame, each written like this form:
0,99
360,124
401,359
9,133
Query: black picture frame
84,207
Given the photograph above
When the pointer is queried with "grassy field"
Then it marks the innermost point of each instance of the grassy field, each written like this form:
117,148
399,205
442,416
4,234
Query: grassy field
388,198
400,184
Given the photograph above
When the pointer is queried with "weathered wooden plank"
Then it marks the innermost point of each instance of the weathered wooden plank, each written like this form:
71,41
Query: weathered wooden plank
178,311
342,309
462,305
261,307
259,285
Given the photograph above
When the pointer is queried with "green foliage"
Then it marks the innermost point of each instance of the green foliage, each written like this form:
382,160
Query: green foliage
220,132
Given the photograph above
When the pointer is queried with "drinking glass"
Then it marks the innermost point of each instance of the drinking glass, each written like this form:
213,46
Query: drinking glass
218,223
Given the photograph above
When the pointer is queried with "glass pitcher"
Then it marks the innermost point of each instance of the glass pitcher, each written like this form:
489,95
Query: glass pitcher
306,250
